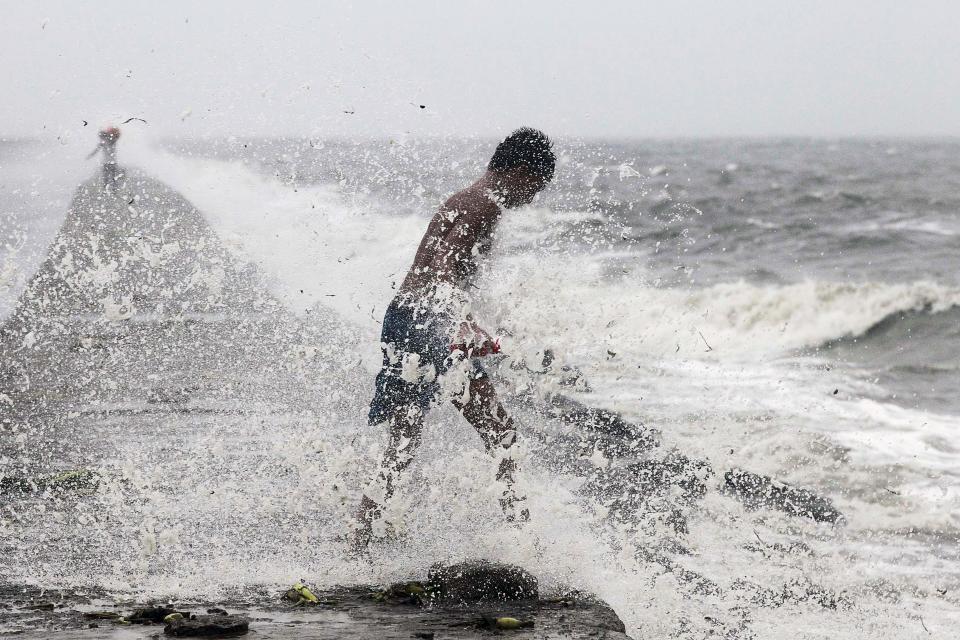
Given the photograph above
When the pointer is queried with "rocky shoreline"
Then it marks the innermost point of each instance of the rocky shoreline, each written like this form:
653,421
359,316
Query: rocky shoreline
458,602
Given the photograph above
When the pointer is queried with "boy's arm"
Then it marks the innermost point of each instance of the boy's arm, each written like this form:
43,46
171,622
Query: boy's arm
455,253
454,258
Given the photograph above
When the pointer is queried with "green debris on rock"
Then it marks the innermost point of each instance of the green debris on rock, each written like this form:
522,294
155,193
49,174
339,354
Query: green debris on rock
155,614
78,480
300,595
508,623
414,593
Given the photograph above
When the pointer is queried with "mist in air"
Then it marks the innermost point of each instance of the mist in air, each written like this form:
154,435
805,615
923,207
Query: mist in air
289,314
599,70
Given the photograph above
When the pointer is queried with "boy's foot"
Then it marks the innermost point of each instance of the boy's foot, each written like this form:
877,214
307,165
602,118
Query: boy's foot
513,510
361,534
358,542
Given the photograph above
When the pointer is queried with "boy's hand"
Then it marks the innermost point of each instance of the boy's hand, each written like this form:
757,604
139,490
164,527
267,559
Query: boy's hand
474,341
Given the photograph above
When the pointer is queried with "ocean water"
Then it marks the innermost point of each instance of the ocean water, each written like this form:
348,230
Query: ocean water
787,306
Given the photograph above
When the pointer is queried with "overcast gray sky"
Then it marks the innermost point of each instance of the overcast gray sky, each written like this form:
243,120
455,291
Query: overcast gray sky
591,68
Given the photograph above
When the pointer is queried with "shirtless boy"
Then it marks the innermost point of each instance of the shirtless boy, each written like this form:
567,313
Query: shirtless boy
427,334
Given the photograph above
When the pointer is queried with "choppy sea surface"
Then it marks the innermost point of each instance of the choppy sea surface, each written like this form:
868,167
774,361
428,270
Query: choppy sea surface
787,306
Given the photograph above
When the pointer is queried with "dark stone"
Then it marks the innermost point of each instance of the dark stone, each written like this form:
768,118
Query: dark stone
209,626
796,591
691,582
584,611
635,475
74,480
480,581
756,491
153,615
218,610
410,593
101,615
605,430
628,489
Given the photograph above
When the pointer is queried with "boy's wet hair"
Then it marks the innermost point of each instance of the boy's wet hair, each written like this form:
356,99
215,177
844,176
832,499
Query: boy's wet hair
525,147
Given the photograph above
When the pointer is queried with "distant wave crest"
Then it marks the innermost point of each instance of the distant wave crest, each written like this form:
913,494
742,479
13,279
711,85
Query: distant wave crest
812,313
565,304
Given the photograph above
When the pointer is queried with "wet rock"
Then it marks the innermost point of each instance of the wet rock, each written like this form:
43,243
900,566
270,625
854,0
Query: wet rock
666,486
178,395
580,614
209,626
409,593
101,615
634,482
798,590
299,595
480,581
605,430
153,615
81,480
756,491
691,582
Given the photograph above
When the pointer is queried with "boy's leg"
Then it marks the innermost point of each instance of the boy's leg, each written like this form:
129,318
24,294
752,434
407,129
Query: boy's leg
488,417
406,429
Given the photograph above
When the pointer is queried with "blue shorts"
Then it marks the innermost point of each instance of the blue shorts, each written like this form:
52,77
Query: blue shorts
416,352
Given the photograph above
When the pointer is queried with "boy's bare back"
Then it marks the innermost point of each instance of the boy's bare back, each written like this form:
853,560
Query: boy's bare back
457,234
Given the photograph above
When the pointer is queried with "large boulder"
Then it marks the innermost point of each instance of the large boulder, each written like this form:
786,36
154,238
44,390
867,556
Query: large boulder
756,492
480,581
